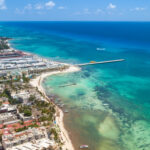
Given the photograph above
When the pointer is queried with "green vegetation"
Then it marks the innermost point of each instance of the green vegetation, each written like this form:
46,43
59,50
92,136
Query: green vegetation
45,107
45,118
1,103
21,129
25,79
41,104
54,132
6,93
32,98
25,128
17,78
3,45
26,110
47,110
0,137
33,126
21,122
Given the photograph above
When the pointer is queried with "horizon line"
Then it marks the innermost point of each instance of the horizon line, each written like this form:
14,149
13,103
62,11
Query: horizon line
71,21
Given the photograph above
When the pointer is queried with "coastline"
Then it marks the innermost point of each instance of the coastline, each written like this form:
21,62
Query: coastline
37,82
124,92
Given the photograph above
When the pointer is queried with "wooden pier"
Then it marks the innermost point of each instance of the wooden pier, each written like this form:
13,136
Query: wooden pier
71,84
101,62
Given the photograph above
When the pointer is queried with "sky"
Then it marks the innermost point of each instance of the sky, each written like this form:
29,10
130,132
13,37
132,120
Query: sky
74,10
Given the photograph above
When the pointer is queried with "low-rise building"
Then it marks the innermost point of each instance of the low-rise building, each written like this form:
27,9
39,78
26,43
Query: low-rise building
7,117
24,118
8,108
22,96
4,99
33,138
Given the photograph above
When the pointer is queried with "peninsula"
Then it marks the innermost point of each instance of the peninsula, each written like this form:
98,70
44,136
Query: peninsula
28,117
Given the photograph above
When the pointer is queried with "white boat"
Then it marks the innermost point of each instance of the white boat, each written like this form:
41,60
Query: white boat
66,111
100,49
84,146
105,104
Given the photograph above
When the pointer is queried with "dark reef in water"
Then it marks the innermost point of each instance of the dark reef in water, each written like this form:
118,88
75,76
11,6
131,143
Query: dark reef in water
102,92
104,95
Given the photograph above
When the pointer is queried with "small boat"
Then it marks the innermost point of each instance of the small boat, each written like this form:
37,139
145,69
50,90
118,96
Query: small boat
62,105
66,111
105,104
92,61
100,49
84,146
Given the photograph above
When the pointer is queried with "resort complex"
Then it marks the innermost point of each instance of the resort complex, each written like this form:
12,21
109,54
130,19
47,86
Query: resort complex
16,62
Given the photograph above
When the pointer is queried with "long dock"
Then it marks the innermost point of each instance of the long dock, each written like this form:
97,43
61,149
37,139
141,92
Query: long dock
67,85
101,62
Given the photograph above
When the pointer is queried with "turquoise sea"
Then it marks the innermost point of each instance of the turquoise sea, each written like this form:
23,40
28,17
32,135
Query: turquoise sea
109,107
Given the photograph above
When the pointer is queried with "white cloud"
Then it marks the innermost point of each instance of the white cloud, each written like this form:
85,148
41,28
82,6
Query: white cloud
47,5
138,9
98,11
111,6
83,12
39,6
2,5
28,7
86,11
18,11
22,11
61,7
50,4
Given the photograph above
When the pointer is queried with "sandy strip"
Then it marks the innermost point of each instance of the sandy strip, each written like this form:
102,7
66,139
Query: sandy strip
59,118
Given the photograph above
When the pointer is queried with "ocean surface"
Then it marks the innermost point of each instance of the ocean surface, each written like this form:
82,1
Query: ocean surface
109,105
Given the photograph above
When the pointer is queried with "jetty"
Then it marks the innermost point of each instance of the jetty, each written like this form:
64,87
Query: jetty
100,62
67,85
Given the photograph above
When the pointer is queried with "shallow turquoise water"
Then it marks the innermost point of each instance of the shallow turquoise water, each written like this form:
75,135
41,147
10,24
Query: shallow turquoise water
109,105
113,116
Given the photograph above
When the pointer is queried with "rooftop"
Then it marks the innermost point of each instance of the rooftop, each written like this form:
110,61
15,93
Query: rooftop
38,144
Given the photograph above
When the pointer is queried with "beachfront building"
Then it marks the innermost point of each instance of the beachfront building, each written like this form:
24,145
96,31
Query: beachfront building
11,54
14,62
6,107
27,63
5,118
33,138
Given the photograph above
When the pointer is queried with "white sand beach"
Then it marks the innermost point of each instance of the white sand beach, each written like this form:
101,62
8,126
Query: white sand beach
37,82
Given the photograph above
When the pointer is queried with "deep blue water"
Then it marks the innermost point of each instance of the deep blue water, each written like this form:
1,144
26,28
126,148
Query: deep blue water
124,87
127,32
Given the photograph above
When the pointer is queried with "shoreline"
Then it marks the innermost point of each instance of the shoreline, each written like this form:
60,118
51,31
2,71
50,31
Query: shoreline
37,82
